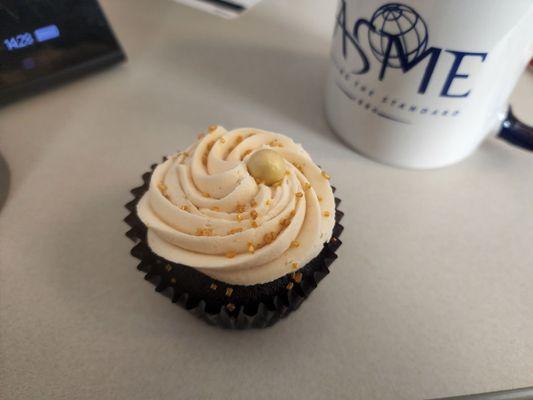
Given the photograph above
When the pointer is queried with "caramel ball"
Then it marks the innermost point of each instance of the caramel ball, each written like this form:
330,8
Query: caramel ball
267,166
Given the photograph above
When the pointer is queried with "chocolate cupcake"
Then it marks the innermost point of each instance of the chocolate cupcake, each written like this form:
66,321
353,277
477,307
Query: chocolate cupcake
238,229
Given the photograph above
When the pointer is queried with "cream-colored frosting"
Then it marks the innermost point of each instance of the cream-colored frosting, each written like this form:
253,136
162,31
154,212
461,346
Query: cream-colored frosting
204,210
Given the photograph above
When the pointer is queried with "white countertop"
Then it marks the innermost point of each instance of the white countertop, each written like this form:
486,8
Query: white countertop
431,296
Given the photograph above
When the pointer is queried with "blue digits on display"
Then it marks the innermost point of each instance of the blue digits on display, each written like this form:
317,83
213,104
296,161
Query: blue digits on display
26,39
19,41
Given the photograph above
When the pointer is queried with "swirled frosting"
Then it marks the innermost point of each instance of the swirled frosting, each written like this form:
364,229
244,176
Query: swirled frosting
204,210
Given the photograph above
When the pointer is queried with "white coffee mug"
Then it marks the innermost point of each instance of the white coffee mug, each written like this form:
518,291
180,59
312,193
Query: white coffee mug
421,83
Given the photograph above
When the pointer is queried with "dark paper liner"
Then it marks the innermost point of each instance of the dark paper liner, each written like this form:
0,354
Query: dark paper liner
219,303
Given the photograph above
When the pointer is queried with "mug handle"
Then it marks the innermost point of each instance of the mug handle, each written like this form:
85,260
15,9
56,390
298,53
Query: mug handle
516,132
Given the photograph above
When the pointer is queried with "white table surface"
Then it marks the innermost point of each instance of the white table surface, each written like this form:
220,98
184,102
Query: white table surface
431,296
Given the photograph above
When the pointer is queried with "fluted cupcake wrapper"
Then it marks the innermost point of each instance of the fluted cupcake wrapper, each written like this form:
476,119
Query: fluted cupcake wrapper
219,303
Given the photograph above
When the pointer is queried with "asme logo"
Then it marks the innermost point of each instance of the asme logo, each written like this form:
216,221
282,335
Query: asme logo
398,38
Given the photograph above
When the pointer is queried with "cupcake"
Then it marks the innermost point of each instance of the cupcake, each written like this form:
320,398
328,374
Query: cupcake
238,229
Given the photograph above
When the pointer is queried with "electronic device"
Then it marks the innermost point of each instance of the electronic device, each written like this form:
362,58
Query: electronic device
43,42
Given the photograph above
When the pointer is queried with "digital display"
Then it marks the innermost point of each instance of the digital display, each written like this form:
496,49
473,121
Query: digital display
26,39
19,42
47,33
46,41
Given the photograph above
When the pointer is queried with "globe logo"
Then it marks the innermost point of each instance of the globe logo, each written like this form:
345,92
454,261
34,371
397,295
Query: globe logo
403,28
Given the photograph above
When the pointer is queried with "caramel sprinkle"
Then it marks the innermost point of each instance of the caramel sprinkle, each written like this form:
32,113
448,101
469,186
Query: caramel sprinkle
230,307
269,237
222,140
161,186
326,213
285,222
295,244
239,217
253,203
239,139
205,194
246,153
234,230
168,267
294,265
297,277
230,254
254,224
251,248
325,175
307,186
215,208
204,232
253,214
240,208
298,167
290,285
319,198
213,286
299,194
229,291
212,128
184,207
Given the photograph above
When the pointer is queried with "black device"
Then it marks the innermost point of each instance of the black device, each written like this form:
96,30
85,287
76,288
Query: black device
43,42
